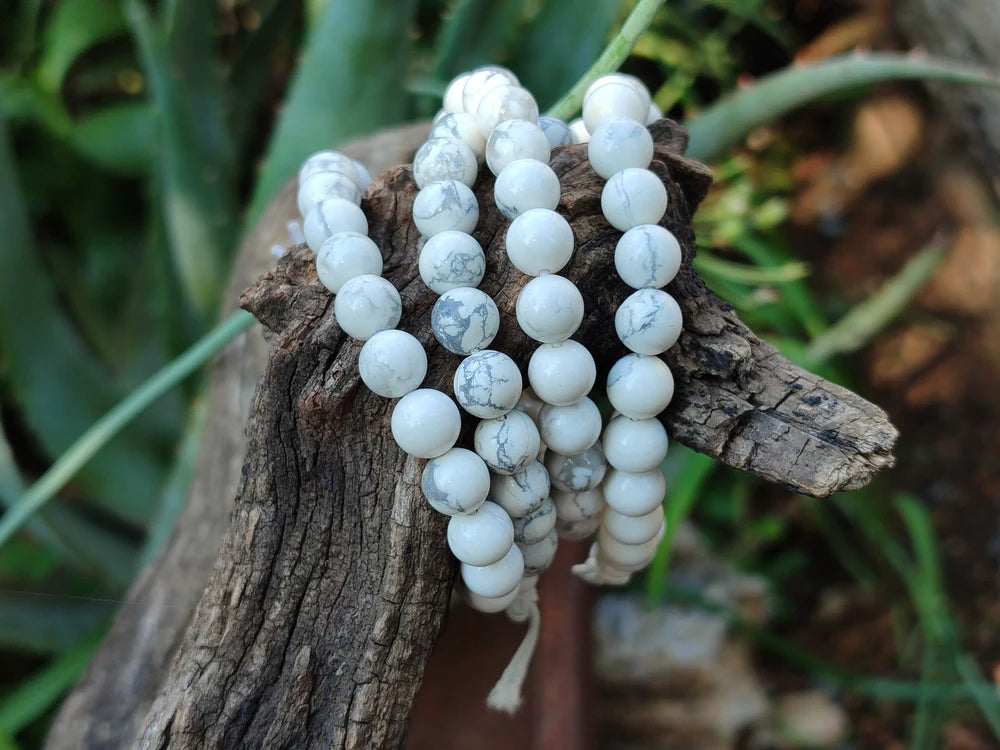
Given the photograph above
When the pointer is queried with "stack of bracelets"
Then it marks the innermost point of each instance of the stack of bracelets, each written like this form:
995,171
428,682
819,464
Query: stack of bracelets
539,465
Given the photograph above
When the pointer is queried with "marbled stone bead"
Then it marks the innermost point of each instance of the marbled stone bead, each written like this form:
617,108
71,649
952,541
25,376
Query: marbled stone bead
452,101
577,530
578,130
444,205
481,81
481,537
539,241
456,482
323,186
578,473
626,557
619,144
332,217
613,100
465,320
571,429
640,386
538,556
578,506
648,321
487,384
366,305
647,256
507,444
504,103
632,197
654,113
450,260
633,529
629,80
331,161
515,139
444,158
364,175
549,308
555,130
462,126
635,445
562,373
490,604
536,525
426,423
392,363
530,404
521,493
525,184
346,255
634,494
498,579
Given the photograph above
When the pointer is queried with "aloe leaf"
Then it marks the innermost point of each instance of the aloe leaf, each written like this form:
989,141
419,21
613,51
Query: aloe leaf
474,33
74,27
41,623
118,138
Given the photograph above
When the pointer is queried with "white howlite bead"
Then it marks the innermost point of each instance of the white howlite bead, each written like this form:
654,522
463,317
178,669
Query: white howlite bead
482,537
444,159
455,482
526,184
578,506
465,320
426,423
536,525
515,139
555,130
364,175
504,103
462,126
635,445
481,81
508,444
640,386
578,130
522,493
330,161
538,556
648,321
444,205
634,494
487,384
366,305
392,363
562,373
452,101
572,429
633,529
619,144
614,100
647,256
654,114
324,186
629,80
332,217
530,404
490,604
578,473
346,255
498,579
451,259
539,241
549,309
632,197
627,557
577,530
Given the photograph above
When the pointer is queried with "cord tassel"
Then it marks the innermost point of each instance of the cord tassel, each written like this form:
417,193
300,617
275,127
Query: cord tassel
506,694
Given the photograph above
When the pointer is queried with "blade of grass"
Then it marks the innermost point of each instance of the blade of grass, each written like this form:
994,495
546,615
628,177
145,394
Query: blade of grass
745,274
39,623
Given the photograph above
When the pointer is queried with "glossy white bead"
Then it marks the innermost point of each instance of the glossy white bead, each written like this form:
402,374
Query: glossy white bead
482,537
629,80
654,114
444,205
324,186
497,579
504,103
490,604
526,184
481,81
640,386
647,256
633,197
648,321
455,482
392,363
619,144
331,161
578,506
462,126
633,529
562,373
579,131
515,139
346,255
634,494
452,101
611,101
451,259
332,217
426,423
366,305
556,131
487,384
465,320
539,241
538,556
549,308
444,159
576,530
572,429
521,493
507,444
578,473
627,557
635,445
536,525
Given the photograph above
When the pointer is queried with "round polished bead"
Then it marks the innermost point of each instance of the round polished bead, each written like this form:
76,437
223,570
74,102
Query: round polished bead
346,255
481,81
330,161
613,100
629,80
619,144
481,537
648,321
324,186
536,525
538,556
627,557
539,241
526,184
562,373
634,494
578,473
577,530
507,444
503,103
487,384
451,259
647,256
515,139
366,305
444,159
444,205
640,386
635,445
579,131
530,404
549,308
521,493
452,101
572,429
462,126
455,482
654,114
633,197
465,320
633,529
490,604
497,579
392,363
364,175
578,506
426,423
332,217
555,130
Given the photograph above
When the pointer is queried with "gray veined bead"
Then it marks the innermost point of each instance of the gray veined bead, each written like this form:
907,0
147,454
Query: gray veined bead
487,384
465,320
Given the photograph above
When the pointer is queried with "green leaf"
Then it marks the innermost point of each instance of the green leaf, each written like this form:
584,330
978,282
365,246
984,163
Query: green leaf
74,27
118,138
475,33
41,623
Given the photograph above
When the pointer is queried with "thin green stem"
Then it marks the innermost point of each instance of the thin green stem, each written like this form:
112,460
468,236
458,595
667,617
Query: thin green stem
613,56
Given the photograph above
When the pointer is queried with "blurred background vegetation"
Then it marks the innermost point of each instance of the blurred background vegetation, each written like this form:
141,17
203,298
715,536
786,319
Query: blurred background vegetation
139,141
